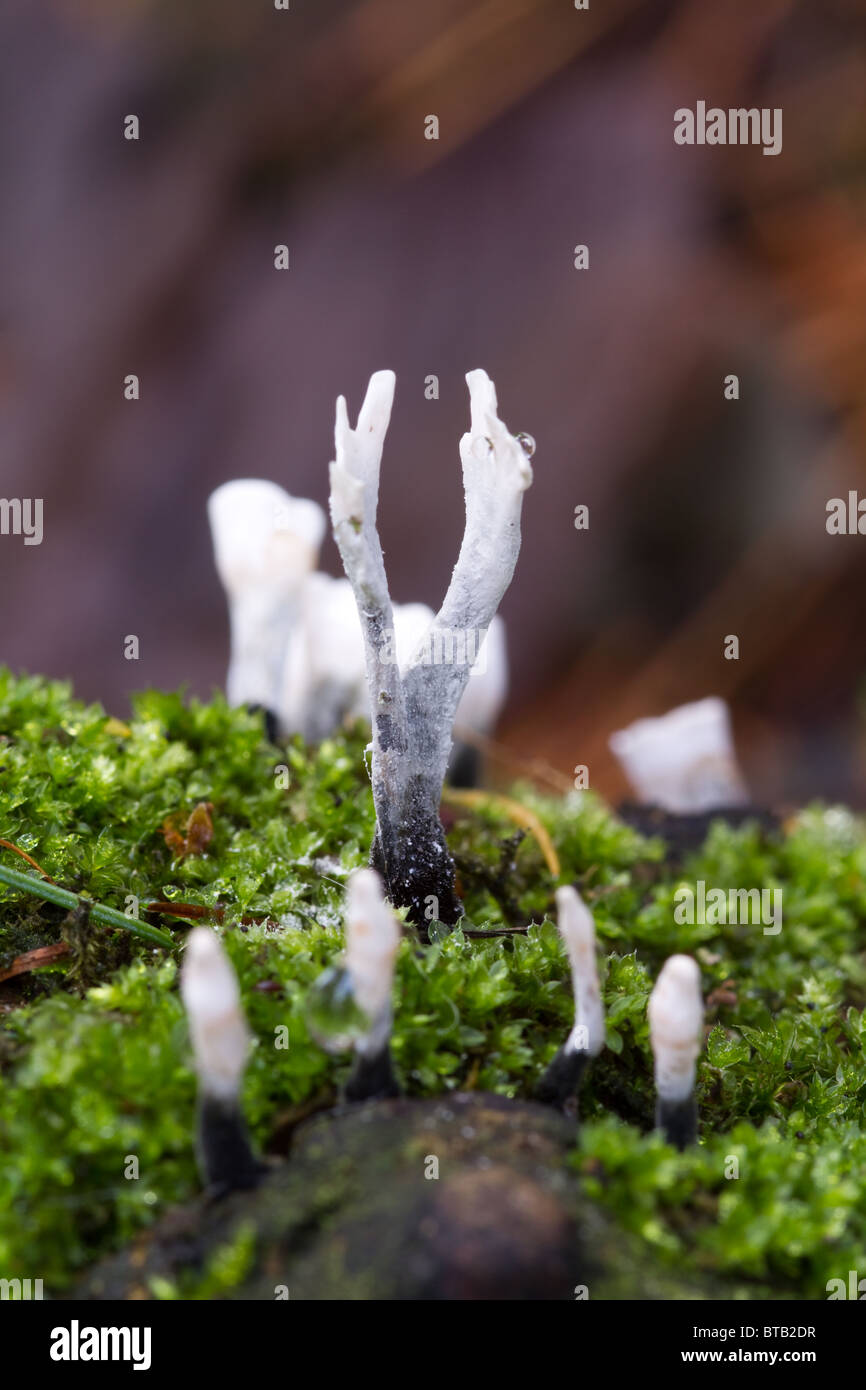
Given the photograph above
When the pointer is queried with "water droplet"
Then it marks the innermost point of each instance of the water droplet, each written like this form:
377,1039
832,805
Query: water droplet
438,931
527,444
332,1013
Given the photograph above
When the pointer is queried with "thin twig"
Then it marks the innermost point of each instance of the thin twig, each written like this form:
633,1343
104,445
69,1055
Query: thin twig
33,960
7,844
514,811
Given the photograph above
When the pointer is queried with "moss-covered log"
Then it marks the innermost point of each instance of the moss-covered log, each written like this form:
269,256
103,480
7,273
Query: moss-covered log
466,1197
94,1051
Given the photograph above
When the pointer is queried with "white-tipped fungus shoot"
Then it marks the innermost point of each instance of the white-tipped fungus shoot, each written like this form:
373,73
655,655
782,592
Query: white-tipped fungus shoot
265,544
562,1079
372,940
220,1042
676,1020
683,761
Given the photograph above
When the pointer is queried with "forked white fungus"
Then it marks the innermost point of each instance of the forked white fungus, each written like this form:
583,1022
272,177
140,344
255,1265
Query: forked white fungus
414,710
324,677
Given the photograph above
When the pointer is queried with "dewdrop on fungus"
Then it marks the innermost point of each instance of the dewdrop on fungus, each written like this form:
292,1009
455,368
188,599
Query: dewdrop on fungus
332,1014
350,1005
683,761
586,1039
220,1042
526,442
676,1020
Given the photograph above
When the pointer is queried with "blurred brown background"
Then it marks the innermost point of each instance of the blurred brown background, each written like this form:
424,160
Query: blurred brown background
306,127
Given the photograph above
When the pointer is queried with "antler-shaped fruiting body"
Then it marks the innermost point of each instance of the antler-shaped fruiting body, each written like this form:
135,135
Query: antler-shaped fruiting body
372,939
562,1079
324,676
265,544
413,712
220,1041
676,1020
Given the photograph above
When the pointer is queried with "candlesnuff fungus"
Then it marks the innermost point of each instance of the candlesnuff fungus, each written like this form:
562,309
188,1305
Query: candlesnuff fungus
503,1221
297,651
220,1037
676,1020
413,711
480,705
220,1041
324,667
372,938
562,1079
683,761
265,544
324,678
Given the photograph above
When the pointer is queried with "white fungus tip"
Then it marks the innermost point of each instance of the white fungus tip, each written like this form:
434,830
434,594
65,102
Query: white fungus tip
683,761
577,929
482,399
217,1027
355,470
574,918
373,420
265,544
372,939
375,414
676,1020
504,468
262,537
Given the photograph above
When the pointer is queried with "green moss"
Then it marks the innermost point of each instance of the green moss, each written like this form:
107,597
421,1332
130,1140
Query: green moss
749,1204
94,1059
226,1267
86,796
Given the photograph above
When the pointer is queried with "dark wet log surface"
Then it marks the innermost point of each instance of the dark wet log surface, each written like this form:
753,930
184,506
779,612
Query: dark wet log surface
352,1214
684,834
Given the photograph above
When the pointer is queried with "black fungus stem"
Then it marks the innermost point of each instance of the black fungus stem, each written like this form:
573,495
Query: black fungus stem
678,1121
225,1156
562,1079
373,1078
